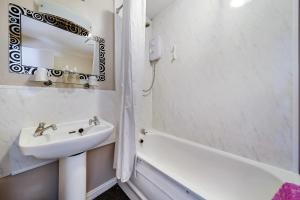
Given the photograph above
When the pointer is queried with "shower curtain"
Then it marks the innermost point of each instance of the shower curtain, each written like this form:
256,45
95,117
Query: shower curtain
132,56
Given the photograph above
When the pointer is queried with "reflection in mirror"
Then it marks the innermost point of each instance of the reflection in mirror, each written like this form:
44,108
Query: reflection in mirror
47,46
54,49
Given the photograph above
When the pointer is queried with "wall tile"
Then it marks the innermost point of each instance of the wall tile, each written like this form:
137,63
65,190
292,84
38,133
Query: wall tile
231,86
27,106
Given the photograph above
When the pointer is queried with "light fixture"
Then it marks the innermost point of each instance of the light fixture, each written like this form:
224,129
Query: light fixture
50,7
238,3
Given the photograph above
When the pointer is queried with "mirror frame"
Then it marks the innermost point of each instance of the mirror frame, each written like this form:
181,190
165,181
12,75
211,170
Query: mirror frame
15,14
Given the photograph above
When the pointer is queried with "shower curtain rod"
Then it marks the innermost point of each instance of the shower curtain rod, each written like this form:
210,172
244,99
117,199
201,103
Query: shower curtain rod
119,9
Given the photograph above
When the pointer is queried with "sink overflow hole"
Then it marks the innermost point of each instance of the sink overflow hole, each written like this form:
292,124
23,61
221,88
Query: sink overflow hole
71,132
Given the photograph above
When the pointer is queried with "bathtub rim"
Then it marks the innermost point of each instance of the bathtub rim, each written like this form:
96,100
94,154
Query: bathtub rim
281,174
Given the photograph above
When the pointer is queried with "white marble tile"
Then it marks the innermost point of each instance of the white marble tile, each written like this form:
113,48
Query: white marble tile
27,106
231,86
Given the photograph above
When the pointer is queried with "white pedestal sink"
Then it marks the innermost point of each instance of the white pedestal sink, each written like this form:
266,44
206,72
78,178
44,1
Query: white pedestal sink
69,146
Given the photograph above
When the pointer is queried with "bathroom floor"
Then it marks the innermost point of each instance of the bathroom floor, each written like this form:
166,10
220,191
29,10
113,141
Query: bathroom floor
114,193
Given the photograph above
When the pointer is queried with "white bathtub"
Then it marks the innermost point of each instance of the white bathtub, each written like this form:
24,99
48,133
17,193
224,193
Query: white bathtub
173,168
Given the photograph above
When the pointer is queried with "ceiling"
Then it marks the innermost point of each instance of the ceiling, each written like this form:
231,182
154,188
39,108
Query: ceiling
156,6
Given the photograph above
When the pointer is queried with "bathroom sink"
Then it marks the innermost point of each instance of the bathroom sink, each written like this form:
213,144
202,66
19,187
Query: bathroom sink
68,139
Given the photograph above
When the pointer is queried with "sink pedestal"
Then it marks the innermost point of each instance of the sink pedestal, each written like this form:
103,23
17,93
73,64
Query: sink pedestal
72,177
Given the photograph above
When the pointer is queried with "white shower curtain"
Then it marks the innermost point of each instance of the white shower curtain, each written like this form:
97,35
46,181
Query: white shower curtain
133,45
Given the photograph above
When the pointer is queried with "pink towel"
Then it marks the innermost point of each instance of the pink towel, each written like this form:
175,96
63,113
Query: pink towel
288,191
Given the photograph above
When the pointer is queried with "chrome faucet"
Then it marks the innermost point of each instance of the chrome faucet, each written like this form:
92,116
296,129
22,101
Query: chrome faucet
41,128
94,121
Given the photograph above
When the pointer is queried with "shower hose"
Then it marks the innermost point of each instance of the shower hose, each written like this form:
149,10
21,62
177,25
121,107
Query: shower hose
147,91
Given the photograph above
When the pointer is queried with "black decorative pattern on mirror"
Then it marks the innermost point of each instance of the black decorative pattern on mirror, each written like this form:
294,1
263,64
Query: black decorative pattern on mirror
101,42
15,13
55,73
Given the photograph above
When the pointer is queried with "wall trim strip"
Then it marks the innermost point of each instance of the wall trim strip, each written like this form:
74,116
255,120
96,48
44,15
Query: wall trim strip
101,189
19,171
131,191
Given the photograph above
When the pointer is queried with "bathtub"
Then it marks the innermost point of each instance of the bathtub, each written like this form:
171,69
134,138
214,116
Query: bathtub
170,168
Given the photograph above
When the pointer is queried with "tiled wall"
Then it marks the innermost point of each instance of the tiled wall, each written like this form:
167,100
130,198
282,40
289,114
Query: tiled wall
27,106
232,85
23,106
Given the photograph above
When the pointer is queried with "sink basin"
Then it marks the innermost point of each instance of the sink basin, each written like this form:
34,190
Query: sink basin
65,141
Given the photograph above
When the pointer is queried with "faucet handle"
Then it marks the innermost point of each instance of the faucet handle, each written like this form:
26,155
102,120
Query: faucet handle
54,127
97,121
94,121
42,124
96,118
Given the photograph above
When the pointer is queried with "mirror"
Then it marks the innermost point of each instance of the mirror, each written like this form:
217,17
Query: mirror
58,46
44,45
